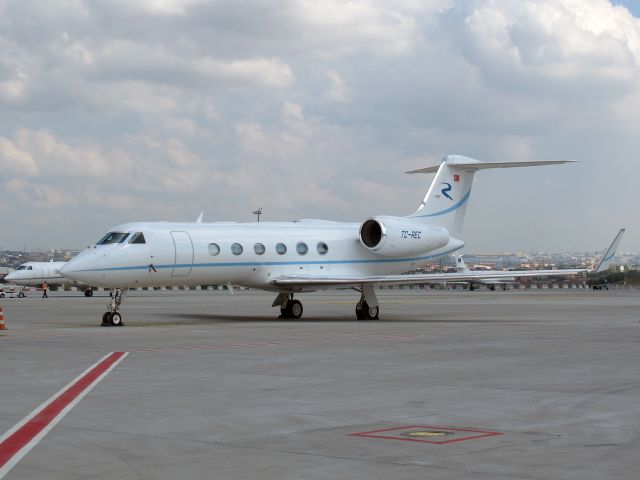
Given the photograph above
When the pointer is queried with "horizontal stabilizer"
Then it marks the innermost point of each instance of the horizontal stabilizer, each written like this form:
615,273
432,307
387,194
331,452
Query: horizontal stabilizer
466,163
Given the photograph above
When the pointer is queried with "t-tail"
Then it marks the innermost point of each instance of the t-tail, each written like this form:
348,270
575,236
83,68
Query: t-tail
446,200
461,267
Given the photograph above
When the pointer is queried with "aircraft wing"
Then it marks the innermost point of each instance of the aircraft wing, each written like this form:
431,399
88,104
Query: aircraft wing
300,281
346,281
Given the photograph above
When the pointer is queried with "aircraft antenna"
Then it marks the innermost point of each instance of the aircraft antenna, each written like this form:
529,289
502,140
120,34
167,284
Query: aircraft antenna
258,212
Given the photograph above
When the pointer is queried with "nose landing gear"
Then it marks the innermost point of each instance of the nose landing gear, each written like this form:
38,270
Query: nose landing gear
113,318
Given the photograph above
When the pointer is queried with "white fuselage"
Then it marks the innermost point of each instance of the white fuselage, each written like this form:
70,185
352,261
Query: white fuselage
34,274
176,254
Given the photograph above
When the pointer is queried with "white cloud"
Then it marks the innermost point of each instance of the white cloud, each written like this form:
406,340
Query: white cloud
555,40
338,90
357,25
15,160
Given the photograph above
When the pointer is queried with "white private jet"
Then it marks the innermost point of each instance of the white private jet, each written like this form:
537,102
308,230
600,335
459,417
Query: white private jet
34,274
298,256
491,283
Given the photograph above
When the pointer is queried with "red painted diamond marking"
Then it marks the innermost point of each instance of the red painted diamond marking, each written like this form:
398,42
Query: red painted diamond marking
436,435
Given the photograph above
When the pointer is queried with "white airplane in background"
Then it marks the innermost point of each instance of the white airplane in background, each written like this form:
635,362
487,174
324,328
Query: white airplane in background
491,284
34,274
298,256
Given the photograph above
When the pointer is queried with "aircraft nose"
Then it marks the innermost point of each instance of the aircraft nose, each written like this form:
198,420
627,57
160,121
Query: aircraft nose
10,277
80,268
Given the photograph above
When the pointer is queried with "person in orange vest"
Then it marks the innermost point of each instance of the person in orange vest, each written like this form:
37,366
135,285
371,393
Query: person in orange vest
45,288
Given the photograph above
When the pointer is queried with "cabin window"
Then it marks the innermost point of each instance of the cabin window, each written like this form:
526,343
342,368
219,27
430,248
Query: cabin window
259,248
137,237
281,248
113,237
302,248
214,249
322,248
236,249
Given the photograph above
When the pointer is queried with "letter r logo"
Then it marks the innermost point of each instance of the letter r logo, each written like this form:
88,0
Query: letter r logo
445,191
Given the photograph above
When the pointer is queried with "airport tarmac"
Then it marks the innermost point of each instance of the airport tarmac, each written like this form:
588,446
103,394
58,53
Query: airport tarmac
448,385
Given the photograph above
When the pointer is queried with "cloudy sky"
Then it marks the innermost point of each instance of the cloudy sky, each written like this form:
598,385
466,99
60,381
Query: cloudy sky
114,111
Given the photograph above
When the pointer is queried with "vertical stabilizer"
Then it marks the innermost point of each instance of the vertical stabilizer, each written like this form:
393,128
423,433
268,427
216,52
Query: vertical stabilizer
461,267
446,200
611,252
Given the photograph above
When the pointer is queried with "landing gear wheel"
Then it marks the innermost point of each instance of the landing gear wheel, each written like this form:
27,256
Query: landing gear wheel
292,309
365,312
20,295
295,308
112,318
88,293
1,294
116,319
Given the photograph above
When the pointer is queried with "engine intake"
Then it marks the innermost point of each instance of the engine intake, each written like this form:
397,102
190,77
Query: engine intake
399,236
371,233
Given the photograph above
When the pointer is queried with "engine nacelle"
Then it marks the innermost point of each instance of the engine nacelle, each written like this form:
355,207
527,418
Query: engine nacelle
400,236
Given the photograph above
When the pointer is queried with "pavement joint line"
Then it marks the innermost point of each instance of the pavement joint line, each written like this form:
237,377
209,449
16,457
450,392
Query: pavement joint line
20,439
271,344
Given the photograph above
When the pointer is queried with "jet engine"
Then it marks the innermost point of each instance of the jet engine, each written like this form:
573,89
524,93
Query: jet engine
400,236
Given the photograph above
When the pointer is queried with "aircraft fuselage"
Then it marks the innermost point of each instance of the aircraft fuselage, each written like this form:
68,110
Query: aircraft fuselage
248,254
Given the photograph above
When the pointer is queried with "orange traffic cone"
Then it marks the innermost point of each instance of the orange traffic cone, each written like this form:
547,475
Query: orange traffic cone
2,325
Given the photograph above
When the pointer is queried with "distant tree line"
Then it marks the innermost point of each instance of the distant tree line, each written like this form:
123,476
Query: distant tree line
630,277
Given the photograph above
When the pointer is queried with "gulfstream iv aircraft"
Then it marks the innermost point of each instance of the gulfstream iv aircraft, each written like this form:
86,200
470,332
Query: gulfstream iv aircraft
298,256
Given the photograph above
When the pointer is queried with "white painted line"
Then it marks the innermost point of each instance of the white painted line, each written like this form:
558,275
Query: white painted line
23,436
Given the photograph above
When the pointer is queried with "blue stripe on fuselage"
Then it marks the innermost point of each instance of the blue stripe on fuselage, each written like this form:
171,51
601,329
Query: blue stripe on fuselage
257,264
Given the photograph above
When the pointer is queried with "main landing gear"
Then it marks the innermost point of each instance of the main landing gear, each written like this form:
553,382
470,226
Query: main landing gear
113,318
88,292
367,307
289,308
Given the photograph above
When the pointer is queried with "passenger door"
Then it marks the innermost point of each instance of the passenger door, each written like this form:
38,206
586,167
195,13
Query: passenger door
183,260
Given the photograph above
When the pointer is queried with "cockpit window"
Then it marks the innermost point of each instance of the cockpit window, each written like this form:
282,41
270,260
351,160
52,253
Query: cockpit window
29,267
22,267
137,237
113,237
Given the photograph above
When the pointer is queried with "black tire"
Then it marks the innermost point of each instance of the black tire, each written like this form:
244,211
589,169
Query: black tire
295,309
1,294
364,312
116,319
106,319
88,293
21,295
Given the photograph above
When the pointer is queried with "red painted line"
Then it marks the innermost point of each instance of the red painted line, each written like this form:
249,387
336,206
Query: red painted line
26,434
